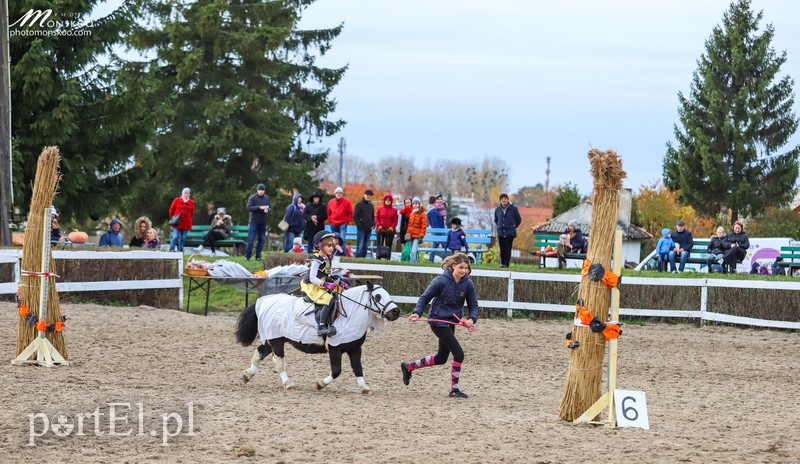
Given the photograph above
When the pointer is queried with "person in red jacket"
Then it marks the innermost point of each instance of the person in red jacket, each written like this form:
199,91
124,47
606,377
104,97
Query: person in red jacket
340,212
184,206
386,221
404,214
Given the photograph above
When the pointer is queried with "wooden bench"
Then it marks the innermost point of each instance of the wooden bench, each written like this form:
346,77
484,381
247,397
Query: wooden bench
541,242
477,239
237,238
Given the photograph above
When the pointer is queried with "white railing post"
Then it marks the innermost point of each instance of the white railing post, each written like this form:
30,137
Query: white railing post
510,299
703,300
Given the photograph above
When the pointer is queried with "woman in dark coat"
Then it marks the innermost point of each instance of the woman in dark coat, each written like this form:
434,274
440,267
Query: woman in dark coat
737,245
315,214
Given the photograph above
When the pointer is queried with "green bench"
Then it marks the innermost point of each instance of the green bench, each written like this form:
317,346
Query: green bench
790,258
541,242
698,253
237,238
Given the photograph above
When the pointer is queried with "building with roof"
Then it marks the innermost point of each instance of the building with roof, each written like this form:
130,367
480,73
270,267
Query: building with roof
632,236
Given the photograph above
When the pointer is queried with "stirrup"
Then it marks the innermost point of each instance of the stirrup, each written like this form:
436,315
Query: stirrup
458,394
326,330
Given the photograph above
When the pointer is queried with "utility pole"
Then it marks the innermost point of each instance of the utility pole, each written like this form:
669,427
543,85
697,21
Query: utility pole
6,192
342,148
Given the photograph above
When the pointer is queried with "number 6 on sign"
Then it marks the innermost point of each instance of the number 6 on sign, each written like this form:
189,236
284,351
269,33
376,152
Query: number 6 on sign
631,408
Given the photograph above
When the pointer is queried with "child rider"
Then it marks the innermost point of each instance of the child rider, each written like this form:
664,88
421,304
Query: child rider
318,285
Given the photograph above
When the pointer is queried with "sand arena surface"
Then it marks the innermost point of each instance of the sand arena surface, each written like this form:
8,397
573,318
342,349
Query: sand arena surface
715,394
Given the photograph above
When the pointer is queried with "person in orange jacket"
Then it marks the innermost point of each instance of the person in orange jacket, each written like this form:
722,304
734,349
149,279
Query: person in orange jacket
417,224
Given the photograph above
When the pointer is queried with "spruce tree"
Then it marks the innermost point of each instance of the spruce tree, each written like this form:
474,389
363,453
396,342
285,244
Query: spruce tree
736,119
245,98
66,91
567,198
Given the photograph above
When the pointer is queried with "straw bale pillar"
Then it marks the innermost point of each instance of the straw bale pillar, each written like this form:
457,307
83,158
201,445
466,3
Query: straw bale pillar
44,189
585,376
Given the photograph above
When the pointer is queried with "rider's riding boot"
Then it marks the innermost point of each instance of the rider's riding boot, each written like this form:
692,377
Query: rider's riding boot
324,328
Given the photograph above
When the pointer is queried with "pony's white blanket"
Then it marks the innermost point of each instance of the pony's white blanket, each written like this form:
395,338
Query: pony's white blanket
291,317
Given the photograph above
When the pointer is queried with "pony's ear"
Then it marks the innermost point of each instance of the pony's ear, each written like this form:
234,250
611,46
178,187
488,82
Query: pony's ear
370,286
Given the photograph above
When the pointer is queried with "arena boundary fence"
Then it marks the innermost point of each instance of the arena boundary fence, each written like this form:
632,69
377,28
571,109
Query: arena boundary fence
510,305
15,256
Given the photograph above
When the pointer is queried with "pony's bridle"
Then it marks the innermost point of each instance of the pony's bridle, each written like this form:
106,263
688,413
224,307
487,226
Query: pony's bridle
374,305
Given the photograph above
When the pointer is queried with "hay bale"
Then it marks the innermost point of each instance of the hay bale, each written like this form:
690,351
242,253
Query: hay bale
44,189
585,376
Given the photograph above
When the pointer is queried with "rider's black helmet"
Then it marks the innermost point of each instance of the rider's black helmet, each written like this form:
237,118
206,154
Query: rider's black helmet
322,235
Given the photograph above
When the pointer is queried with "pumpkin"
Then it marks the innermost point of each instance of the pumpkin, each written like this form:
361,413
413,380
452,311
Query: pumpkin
78,236
548,249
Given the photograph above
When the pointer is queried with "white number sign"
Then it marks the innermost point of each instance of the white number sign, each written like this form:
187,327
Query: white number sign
631,407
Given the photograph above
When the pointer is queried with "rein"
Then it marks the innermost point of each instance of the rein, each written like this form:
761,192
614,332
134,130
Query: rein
461,322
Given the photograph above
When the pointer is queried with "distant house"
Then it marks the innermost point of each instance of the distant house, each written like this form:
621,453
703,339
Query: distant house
535,215
632,236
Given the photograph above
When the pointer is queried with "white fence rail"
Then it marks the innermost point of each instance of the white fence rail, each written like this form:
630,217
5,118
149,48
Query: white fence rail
15,257
701,313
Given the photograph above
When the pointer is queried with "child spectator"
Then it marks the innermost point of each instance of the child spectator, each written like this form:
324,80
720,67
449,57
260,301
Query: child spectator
456,238
55,230
342,248
297,246
417,225
716,250
151,239
664,246
142,225
776,267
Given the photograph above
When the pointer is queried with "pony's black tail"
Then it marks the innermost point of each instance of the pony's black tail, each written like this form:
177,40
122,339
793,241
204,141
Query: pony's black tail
247,327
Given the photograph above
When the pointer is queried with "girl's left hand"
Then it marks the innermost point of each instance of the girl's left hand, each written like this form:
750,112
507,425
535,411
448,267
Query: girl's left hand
468,323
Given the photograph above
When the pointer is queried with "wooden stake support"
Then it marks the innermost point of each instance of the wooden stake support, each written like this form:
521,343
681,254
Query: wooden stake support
46,354
607,399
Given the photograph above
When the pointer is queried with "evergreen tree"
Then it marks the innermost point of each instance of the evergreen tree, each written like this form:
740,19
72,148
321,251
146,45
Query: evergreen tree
567,198
66,91
243,91
736,119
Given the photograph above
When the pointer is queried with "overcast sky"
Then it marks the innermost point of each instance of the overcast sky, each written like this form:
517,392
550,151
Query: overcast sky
524,79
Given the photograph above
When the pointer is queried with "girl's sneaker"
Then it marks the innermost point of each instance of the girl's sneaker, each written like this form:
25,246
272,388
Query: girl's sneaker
406,373
458,394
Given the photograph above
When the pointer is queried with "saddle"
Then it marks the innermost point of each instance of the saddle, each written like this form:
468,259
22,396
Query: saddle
316,309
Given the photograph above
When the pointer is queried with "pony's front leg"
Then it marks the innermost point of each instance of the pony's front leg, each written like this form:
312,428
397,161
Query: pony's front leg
261,352
355,363
280,364
335,356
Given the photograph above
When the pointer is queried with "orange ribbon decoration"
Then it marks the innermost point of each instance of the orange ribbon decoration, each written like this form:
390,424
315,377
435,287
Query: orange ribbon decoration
610,279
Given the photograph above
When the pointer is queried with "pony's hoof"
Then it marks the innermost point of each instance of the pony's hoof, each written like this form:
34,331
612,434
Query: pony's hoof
246,377
289,385
366,391
320,385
